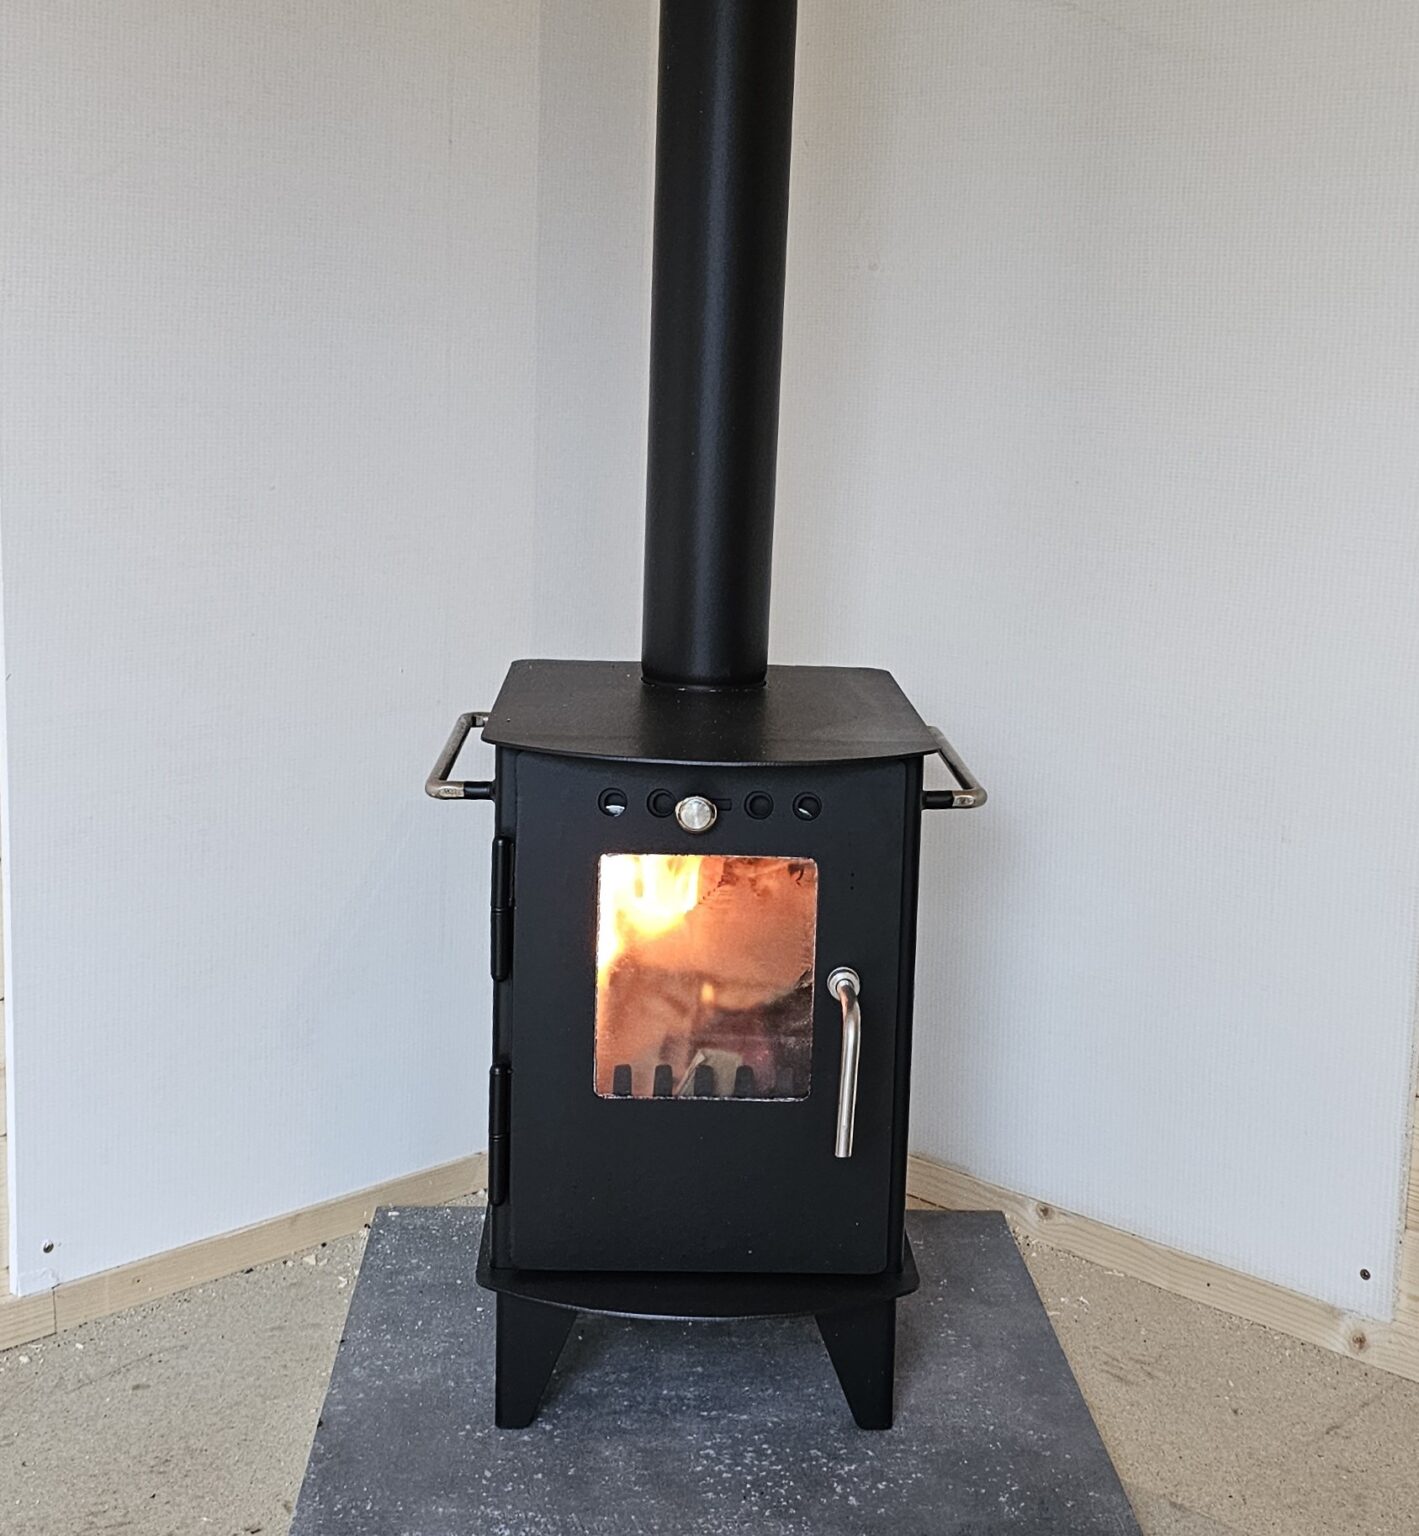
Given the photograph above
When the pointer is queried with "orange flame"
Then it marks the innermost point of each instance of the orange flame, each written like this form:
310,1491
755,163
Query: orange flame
641,896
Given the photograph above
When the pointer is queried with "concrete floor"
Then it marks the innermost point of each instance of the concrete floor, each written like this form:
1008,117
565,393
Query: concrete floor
195,1414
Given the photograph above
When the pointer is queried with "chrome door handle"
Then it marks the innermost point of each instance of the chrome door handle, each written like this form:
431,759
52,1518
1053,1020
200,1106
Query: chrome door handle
845,986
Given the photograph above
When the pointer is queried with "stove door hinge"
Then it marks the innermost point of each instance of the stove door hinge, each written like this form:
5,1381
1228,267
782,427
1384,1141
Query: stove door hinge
502,901
499,1108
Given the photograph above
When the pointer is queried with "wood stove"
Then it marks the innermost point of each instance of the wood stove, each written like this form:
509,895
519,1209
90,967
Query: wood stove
704,869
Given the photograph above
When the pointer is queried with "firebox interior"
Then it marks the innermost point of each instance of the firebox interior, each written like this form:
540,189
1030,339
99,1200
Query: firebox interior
704,976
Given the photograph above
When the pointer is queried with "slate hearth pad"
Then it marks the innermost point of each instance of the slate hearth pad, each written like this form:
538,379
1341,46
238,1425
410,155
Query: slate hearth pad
704,1428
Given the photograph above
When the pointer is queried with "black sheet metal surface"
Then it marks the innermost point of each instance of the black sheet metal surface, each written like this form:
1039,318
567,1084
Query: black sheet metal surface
800,715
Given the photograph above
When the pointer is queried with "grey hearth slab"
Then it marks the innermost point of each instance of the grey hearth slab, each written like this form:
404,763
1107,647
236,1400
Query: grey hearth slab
701,1429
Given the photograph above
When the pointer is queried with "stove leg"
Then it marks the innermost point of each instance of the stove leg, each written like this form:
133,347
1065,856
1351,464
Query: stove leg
862,1344
530,1338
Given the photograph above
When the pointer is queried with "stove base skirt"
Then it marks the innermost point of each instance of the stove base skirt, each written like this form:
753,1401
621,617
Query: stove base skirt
856,1315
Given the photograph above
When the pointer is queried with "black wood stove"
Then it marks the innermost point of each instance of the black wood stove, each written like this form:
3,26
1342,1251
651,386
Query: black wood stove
704,877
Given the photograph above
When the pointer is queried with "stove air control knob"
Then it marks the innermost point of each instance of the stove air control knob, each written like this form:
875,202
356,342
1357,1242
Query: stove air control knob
696,814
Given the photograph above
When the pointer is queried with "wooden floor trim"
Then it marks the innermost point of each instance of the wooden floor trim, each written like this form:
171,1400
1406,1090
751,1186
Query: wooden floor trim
25,1318
1391,1346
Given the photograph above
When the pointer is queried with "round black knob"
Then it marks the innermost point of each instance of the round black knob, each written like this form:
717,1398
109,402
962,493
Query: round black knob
661,803
807,807
759,805
612,802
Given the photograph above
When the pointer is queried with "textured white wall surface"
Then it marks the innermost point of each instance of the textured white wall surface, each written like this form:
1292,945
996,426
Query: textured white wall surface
1102,367
324,383
268,393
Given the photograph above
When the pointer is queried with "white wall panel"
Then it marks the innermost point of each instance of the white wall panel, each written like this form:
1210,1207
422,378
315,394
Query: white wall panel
268,423
595,150
1102,361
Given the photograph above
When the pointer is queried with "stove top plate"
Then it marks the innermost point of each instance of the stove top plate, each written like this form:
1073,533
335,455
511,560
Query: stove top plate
602,709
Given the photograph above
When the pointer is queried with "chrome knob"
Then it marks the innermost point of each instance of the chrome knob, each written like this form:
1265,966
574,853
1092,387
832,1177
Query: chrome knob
696,814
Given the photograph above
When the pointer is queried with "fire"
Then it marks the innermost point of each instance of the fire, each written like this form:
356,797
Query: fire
642,895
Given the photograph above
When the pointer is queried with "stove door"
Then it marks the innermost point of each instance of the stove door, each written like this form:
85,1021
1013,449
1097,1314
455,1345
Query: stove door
687,1093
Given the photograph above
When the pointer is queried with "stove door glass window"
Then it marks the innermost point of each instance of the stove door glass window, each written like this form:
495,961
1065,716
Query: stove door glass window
704,976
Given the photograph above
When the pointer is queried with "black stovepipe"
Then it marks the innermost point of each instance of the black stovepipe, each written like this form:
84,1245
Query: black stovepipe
723,128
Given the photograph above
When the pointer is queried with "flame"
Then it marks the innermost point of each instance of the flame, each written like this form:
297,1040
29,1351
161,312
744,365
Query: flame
642,895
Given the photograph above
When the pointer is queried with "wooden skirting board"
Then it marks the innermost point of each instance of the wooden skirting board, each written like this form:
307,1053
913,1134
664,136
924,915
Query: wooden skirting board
1391,1346
25,1318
